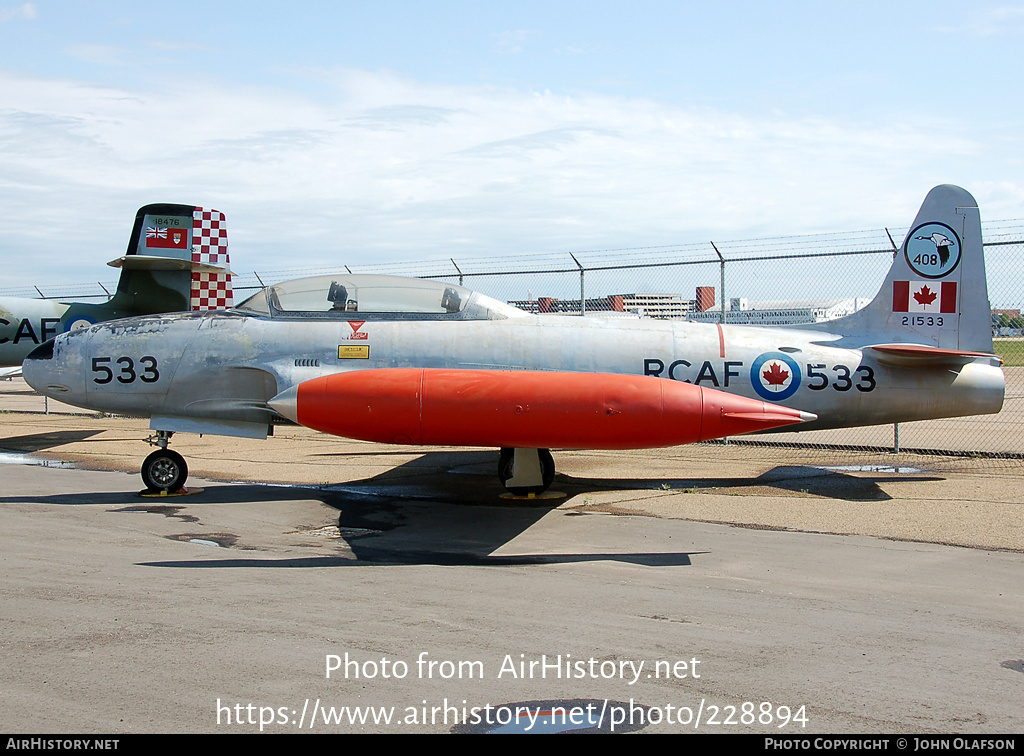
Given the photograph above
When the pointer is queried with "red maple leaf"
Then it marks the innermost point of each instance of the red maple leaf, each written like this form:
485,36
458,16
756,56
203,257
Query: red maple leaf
775,376
924,297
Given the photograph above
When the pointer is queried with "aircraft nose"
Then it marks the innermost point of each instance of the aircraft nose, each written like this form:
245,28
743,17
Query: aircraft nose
43,373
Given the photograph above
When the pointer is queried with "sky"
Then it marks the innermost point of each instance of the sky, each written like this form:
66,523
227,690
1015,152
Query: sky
359,133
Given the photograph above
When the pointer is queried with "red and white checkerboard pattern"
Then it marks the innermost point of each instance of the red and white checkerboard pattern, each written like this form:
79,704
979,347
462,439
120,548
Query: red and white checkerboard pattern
210,291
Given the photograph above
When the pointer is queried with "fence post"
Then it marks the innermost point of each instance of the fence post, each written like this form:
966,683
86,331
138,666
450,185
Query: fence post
457,268
895,438
583,293
895,249
722,264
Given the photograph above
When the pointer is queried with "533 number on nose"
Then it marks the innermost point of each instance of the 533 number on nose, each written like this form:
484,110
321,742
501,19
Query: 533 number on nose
125,370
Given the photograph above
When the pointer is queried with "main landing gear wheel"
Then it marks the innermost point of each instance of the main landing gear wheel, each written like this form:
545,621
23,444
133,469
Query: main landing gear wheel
164,470
513,483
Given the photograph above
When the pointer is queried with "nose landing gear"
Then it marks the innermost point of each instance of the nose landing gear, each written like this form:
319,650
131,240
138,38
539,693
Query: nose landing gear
164,471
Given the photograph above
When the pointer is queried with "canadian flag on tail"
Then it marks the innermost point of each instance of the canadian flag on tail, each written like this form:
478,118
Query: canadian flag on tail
923,296
210,291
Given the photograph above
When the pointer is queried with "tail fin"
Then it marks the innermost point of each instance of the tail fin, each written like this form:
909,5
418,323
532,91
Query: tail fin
177,259
935,294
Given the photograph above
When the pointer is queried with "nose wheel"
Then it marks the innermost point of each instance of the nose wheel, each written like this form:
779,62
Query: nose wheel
164,470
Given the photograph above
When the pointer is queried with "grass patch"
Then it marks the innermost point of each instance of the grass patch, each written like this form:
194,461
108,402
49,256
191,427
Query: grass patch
1011,350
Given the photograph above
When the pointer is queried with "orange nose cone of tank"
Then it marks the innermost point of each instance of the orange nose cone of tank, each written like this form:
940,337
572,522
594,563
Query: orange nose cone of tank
730,415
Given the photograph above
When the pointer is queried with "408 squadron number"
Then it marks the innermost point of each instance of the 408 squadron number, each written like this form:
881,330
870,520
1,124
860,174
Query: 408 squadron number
126,370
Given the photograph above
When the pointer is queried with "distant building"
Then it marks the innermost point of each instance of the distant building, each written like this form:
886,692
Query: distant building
554,306
702,309
1007,323
742,312
664,306
645,305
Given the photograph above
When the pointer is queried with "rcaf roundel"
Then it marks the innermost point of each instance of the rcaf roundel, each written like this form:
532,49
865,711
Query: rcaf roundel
775,376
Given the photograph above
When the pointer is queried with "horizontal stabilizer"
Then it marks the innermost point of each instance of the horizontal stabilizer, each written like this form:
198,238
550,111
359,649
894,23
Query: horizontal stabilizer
153,262
918,355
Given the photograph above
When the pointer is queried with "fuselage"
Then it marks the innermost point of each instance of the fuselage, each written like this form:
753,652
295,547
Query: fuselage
225,367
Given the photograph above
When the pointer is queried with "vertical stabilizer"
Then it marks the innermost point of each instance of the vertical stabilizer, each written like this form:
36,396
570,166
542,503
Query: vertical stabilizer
936,293
177,259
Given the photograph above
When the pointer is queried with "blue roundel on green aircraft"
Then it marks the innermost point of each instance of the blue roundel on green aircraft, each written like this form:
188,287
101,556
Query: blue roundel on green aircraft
78,321
932,250
775,376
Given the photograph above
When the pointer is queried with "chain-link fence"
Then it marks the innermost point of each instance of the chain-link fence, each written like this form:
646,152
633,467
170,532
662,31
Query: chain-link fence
770,280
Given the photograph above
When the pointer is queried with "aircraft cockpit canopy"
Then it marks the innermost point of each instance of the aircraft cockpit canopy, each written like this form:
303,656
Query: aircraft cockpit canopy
368,297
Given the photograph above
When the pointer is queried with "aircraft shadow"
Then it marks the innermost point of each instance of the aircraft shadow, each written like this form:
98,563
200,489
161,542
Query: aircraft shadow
381,530
425,516
805,479
40,441
131,501
384,557
394,523
445,508
416,528
451,533
468,477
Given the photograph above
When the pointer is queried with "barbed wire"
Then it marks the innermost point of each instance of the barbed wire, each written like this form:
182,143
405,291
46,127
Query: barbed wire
870,241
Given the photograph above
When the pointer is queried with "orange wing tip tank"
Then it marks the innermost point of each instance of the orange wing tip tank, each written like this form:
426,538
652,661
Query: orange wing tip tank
523,409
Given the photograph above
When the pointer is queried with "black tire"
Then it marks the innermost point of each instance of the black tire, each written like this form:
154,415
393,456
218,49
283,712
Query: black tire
547,472
164,470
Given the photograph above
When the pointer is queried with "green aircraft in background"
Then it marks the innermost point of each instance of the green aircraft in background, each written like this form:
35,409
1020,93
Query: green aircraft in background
177,260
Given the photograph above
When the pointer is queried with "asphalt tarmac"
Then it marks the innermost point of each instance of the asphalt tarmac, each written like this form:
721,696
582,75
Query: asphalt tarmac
715,588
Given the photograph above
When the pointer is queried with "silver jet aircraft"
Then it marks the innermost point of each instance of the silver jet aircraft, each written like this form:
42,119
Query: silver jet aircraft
409,361
177,259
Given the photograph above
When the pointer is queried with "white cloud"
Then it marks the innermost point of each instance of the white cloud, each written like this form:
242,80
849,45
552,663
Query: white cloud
23,12
513,41
389,168
1006,18
174,46
105,55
